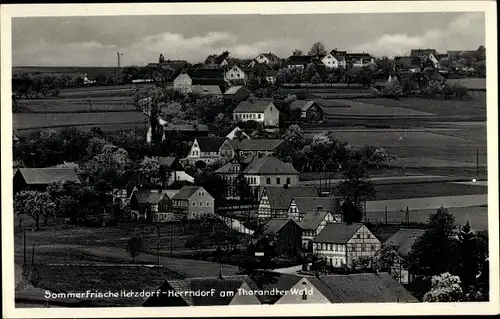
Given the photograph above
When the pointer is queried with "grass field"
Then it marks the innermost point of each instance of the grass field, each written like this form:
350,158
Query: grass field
53,120
366,108
399,191
77,105
471,107
412,144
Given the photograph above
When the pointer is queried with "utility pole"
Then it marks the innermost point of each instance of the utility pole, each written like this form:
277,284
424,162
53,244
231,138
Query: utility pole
477,163
24,231
171,239
33,255
386,216
407,216
158,246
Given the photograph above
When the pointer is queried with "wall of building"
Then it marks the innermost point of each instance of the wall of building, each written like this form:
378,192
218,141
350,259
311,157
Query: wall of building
183,83
362,244
271,115
201,203
279,180
304,284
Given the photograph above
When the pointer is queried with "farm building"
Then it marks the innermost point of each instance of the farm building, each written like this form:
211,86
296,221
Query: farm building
342,244
310,111
196,130
150,204
209,76
192,202
236,94
270,59
262,111
302,61
300,206
39,178
259,171
127,183
284,234
274,202
182,83
206,90
402,241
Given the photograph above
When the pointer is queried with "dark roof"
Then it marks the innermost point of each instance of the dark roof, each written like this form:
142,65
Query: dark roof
364,287
262,67
420,52
339,55
273,226
166,161
228,284
102,279
126,178
337,233
404,239
302,105
268,164
148,196
352,56
186,127
307,204
273,58
256,145
187,191
208,73
206,89
257,106
210,144
235,89
408,60
313,219
299,59
42,176
280,197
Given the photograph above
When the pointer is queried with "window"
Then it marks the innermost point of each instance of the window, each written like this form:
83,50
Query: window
258,116
207,204
304,295
288,180
329,247
271,108
278,181
232,75
324,246
194,204
363,248
368,236
201,204
358,236
374,247
268,181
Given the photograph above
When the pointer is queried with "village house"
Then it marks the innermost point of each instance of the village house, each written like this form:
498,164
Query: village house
339,59
359,60
209,76
229,290
206,90
401,242
127,183
259,171
266,58
408,63
312,224
300,206
285,235
249,147
330,61
151,205
192,202
264,72
210,150
342,244
274,202
174,68
261,111
183,83
302,61
171,170
237,73
236,93
310,111
237,133
37,179
431,54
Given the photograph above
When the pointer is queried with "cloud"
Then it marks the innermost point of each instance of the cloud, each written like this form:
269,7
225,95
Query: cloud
464,32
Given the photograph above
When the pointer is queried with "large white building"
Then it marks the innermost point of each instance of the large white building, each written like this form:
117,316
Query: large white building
263,111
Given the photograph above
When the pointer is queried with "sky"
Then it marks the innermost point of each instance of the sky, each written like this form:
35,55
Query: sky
94,41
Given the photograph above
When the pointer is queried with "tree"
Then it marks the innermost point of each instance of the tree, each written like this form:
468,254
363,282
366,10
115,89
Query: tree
356,186
134,247
435,252
295,136
149,168
318,49
161,59
444,288
316,79
297,52
197,243
38,205
393,89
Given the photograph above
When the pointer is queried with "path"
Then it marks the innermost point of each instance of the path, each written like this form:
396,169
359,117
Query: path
289,270
236,225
